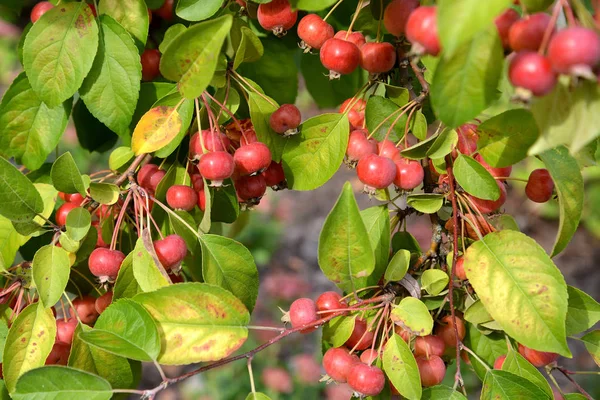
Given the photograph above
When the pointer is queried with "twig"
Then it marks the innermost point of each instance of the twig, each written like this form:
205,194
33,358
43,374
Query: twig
142,159
568,376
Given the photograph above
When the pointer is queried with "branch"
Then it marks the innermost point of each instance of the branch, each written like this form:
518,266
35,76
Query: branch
424,84
142,159
568,376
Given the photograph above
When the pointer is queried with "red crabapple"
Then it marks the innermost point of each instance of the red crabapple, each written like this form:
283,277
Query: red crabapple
409,173
285,120
432,370
150,62
85,307
499,362
252,158
503,24
396,15
251,187
360,337
170,251
74,198
539,186
212,140
274,176
59,355
337,362
368,380
105,263
377,58
356,115
62,212
314,32
428,346
216,166
329,301
575,51
144,174
65,330
387,148
166,10
403,333
354,37
359,146
340,57
445,330
533,72
369,356
277,16
528,33
459,268
375,172
181,197
487,206
303,311
103,302
496,172
155,179
467,139
40,9
538,358
422,31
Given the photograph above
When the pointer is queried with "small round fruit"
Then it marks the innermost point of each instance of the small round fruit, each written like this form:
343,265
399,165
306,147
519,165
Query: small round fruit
354,37
467,139
252,158
212,140
330,301
422,31
496,172
360,339
105,263
337,362
59,355
150,62
376,172
74,198
216,166
85,307
396,15
356,115
277,16
340,57
170,251
314,32
540,186
459,268
428,346
103,302
62,212
538,358
359,145
503,24
368,380
369,356
251,187
532,71
499,361
432,370
274,176
155,179
65,330
528,33
277,379
409,173
575,51
40,9
445,330
303,311
285,120
403,333
387,148
377,58
181,197
166,10
202,200
144,174
488,206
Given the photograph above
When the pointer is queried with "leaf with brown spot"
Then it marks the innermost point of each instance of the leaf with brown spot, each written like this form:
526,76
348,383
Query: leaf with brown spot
156,129
401,368
503,385
412,314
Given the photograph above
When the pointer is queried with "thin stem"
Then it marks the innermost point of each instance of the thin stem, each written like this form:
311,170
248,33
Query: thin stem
253,89
377,317
354,18
472,353
171,212
249,363
265,328
378,38
228,112
113,242
130,171
400,110
569,13
87,280
550,28
196,102
553,380
332,10
132,391
160,370
581,390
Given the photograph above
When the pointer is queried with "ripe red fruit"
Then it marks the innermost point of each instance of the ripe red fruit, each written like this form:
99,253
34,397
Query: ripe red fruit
166,10
277,16
103,302
251,187
150,64
274,176
369,356
328,301
359,146
376,172
216,166
105,263
74,198
575,51
422,31
40,9
340,57
303,311
99,241
354,37
409,173
85,307
539,186
65,330
155,179
499,361
528,33
201,200
377,58
251,158
396,15
144,174
504,22
285,120
503,172
432,371
538,358
213,141
277,379
181,197
170,251
337,362
445,330
367,380
428,346
403,333
314,32
356,115
487,206
360,339
59,355
387,148
62,212
467,139
459,268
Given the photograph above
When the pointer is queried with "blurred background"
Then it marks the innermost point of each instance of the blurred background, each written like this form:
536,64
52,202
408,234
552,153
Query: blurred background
282,233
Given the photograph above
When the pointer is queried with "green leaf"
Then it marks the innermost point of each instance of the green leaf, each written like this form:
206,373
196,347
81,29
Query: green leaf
379,109
345,254
126,286
398,266
260,113
196,321
78,224
110,91
536,5
574,396
465,83
172,32
504,221
592,344
338,330
487,347
249,49
532,288
104,193
412,315
19,199
186,113
441,393
568,182
475,179
257,396
11,241
92,134
459,21
428,203
312,5
312,157
118,158
228,264
29,342
505,138
66,176
190,58
377,222
477,314
126,329
419,150
59,51
224,204
51,269
502,385
518,365
56,382
197,10
131,15
443,144
583,311
145,268
29,129
434,281
404,240
3,336
401,368
567,116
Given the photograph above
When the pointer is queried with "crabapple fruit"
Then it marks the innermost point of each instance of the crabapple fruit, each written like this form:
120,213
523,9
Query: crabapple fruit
360,338
285,120
103,302
368,380
496,172
59,355
445,330
74,198
422,31
487,206
467,139
166,10
303,311
105,263
340,57
359,145
396,15
432,370
369,356
150,59
539,186
533,72
274,176
538,358
409,173
181,197
575,50
314,31
85,307
337,362
251,158
377,58
216,166
277,16
356,115
354,37
375,172
503,24
65,330
528,33
387,148
428,346
212,140
251,187
62,212
145,173
499,362
170,251
459,268
40,9
329,301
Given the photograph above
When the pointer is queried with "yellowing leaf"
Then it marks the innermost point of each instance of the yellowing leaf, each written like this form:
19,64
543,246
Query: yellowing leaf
155,130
